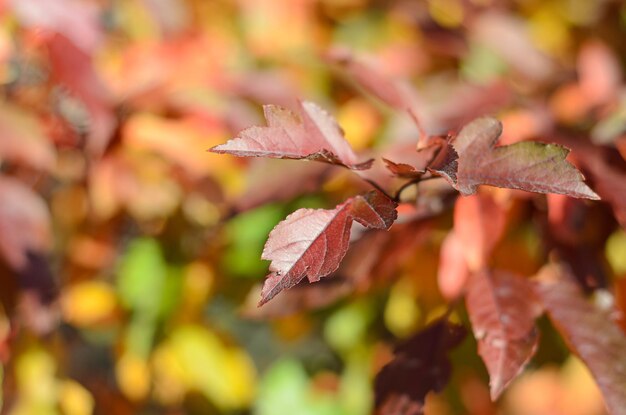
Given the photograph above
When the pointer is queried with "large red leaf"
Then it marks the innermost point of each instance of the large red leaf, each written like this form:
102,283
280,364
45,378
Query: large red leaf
312,242
312,134
589,333
530,166
421,365
24,223
502,309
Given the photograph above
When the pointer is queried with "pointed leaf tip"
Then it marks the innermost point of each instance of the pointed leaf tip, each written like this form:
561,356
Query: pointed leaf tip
530,166
311,134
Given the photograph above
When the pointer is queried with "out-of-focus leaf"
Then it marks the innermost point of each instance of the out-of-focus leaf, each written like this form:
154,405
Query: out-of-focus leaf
453,272
530,166
74,399
509,38
312,242
286,386
347,327
502,308
478,223
23,139
616,252
588,331
81,26
247,233
143,270
599,72
312,134
74,69
420,366
133,376
24,222
196,358
88,303
402,312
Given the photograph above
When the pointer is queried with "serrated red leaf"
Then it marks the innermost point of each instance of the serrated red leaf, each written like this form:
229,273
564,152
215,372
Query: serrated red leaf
589,333
502,308
421,365
312,242
530,166
312,134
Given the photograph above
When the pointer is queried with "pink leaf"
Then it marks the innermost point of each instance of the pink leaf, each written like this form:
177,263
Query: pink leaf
452,273
312,134
530,166
24,223
502,309
589,333
312,242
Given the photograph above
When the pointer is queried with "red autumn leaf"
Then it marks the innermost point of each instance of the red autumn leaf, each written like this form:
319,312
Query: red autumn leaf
24,223
478,223
420,365
502,309
312,242
74,69
312,134
530,166
589,333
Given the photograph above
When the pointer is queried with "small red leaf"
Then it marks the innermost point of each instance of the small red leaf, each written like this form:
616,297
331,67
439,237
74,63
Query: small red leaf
502,309
530,166
312,134
312,242
589,333
420,365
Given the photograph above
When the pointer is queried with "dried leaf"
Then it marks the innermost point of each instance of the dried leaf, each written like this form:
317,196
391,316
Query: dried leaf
530,166
589,333
312,134
312,242
502,308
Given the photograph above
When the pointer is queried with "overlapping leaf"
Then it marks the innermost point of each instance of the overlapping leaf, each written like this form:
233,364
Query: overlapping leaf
312,134
589,333
530,166
312,242
420,366
502,309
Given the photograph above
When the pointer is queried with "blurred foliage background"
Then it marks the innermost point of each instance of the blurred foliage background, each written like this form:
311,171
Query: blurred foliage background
130,256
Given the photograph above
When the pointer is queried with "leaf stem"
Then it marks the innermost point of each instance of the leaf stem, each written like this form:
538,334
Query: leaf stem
377,187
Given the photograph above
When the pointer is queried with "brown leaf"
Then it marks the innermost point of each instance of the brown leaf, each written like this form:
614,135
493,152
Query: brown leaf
530,166
420,365
312,134
312,242
502,308
589,333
